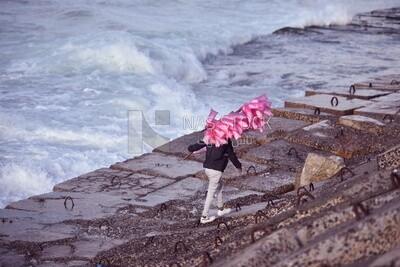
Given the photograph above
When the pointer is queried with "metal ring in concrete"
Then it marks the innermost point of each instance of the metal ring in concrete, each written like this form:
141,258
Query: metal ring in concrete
334,101
65,203
253,168
352,90
388,116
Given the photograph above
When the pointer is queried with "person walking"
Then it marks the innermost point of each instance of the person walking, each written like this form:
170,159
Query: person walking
214,165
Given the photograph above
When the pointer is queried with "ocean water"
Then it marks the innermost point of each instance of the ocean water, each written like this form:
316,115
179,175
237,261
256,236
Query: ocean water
70,72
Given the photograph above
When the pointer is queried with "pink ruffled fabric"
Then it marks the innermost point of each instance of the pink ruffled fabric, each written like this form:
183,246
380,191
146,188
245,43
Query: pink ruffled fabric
251,116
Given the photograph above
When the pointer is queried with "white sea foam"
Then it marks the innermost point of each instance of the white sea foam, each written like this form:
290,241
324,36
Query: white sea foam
19,181
115,58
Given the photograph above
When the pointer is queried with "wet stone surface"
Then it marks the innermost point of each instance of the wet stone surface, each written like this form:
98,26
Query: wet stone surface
281,154
337,105
160,165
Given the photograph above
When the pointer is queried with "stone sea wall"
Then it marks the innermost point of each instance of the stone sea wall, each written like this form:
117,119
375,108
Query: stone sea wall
320,188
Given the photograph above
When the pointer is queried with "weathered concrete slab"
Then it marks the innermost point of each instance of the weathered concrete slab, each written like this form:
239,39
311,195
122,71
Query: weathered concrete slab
390,111
362,123
266,251
178,147
9,258
328,103
303,114
57,252
24,233
182,189
32,226
365,94
94,181
390,86
275,128
382,106
160,165
71,263
393,97
283,124
275,182
114,183
86,206
352,242
344,141
281,154
89,247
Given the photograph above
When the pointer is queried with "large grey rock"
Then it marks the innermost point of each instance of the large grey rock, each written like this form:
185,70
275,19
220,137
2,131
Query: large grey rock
319,168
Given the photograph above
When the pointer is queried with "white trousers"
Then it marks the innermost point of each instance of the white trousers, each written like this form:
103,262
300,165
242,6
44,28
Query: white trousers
215,187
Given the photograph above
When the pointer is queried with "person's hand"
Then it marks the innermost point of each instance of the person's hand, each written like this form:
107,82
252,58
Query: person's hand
239,170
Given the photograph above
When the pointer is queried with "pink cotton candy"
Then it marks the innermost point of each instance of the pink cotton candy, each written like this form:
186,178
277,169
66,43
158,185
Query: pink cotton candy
250,117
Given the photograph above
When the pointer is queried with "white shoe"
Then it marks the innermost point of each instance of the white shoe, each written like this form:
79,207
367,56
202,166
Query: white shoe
207,219
223,212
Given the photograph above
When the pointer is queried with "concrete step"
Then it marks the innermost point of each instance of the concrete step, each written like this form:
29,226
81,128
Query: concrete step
365,94
336,105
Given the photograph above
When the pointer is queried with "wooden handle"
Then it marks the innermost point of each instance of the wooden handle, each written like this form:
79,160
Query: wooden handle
187,156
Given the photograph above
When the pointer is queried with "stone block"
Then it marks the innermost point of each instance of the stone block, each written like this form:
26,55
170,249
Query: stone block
120,183
342,141
56,252
158,164
275,182
336,105
283,125
83,206
281,154
267,251
362,123
303,114
378,85
365,94
182,189
385,108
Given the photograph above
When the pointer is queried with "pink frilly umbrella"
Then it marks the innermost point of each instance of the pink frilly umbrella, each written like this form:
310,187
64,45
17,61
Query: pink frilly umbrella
251,116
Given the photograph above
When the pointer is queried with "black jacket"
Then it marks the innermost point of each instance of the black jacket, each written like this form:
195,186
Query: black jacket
217,157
